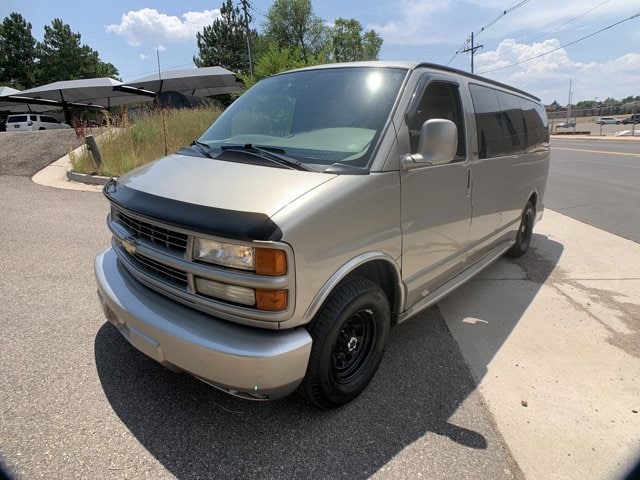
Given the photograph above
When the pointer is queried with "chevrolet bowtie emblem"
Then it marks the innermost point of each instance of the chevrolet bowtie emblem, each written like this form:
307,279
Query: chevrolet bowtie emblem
130,245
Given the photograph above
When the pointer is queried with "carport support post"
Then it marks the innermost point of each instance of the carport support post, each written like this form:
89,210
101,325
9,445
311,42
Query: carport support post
67,113
92,145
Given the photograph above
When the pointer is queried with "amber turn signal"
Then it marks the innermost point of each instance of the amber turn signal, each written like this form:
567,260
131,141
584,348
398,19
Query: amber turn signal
271,300
270,262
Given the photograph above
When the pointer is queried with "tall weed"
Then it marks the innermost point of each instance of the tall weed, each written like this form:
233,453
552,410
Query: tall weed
135,138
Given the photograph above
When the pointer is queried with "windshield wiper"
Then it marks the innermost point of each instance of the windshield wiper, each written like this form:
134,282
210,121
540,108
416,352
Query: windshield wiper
266,153
203,147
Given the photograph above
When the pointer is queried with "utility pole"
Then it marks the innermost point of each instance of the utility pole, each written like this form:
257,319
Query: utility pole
246,6
472,49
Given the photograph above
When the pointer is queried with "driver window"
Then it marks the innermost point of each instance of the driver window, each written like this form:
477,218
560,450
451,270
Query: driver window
439,100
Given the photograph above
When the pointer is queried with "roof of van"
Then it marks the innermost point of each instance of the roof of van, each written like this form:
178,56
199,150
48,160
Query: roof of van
414,65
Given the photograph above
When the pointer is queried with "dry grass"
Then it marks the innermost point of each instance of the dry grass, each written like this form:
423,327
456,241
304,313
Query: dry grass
140,140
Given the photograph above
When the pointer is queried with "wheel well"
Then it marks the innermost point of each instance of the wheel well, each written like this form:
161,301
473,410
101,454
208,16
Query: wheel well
382,273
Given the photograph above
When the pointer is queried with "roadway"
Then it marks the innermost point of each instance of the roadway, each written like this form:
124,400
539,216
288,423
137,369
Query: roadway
597,182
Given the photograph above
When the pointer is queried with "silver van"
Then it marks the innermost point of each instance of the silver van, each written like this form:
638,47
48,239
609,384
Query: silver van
323,207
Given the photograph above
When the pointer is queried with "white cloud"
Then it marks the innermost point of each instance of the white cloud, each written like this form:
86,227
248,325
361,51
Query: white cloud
161,48
144,57
149,26
548,76
413,24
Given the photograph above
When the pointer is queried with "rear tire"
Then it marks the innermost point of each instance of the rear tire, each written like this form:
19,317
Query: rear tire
349,335
525,232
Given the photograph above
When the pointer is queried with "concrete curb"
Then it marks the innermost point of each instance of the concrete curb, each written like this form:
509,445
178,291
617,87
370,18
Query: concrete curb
59,175
86,178
596,138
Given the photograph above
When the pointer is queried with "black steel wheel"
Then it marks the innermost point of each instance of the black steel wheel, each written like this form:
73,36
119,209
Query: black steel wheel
349,335
525,232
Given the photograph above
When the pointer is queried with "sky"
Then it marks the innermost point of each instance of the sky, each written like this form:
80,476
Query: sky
130,34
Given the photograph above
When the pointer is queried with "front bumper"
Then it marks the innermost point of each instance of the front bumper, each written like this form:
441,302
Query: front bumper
244,361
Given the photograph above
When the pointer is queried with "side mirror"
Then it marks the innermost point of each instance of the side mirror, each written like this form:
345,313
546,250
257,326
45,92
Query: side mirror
29,123
438,144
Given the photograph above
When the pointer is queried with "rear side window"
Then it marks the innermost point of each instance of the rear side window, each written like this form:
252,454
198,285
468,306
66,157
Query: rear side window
46,119
33,118
507,124
17,119
491,141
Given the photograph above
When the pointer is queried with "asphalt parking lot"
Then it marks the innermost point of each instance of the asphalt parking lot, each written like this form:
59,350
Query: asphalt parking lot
78,402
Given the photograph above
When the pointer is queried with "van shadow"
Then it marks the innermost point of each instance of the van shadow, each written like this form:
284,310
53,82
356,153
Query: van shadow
196,431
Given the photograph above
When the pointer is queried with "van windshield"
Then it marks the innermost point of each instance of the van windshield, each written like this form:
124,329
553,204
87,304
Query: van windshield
315,117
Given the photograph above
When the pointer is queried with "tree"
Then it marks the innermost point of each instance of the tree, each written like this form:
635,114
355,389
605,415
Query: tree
224,42
275,59
371,44
292,24
350,45
63,57
17,52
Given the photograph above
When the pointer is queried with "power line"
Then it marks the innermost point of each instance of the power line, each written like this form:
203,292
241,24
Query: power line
562,25
504,12
569,21
473,48
464,45
565,45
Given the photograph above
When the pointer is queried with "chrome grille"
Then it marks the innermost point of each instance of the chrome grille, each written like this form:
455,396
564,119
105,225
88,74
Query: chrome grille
160,271
152,233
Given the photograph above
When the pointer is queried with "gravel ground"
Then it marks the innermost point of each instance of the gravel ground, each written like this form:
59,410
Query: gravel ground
25,153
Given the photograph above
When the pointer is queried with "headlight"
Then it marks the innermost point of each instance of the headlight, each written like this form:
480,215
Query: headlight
263,261
225,254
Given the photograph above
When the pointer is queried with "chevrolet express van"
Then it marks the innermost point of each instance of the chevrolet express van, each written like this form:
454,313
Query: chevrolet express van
323,207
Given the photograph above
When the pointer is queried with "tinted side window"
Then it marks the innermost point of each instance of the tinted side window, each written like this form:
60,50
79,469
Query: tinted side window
17,119
489,122
439,100
536,123
513,126
46,119
33,118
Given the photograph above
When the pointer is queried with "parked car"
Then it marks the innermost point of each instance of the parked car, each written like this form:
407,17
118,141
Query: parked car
608,120
632,119
569,124
32,121
323,207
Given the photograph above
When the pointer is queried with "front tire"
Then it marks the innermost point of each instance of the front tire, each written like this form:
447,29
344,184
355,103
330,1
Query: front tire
349,335
525,232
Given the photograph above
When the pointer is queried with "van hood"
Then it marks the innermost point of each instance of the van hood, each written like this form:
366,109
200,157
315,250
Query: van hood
213,196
